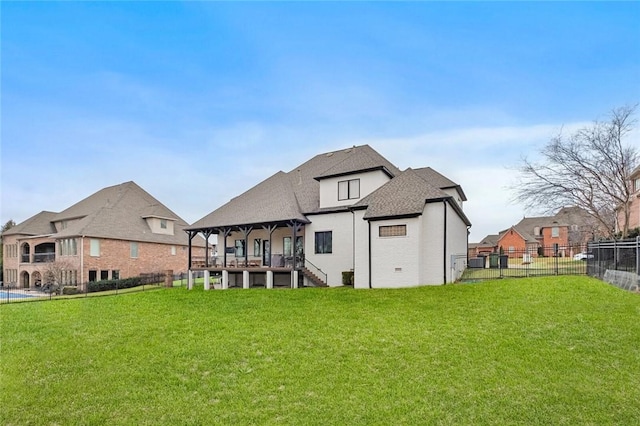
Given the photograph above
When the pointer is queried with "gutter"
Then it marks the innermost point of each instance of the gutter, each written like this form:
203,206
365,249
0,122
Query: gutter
444,244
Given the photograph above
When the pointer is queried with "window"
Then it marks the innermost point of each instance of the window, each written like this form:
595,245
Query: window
286,244
239,248
324,242
555,232
134,250
93,274
68,247
348,189
104,275
163,223
256,247
94,248
173,250
115,274
536,231
637,185
392,231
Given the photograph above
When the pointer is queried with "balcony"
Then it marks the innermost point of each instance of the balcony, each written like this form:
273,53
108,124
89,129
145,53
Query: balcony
44,257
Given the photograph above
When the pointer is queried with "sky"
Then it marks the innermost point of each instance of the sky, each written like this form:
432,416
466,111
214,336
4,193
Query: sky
199,101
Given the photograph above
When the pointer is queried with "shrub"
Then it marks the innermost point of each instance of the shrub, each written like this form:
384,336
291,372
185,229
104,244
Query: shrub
70,290
107,285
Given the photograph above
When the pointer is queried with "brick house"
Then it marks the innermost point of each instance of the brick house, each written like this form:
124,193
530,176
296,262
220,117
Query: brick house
119,232
634,203
562,234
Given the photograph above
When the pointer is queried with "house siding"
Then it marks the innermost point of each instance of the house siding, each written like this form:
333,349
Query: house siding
342,257
395,260
369,182
432,250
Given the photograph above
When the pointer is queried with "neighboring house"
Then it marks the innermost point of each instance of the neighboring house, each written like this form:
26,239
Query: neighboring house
634,203
342,211
118,232
487,245
563,234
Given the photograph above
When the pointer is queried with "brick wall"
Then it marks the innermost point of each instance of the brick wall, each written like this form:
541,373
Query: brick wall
115,255
151,257
512,239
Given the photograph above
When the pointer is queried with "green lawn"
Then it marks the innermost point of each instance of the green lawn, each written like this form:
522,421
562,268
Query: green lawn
554,350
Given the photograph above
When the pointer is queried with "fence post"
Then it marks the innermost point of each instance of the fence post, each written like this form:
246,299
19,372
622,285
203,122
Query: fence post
638,255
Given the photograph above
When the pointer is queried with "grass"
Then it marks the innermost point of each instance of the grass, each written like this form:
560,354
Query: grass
554,350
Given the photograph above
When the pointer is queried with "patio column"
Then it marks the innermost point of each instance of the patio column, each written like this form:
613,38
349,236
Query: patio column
294,278
206,280
269,279
245,279
225,279
190,280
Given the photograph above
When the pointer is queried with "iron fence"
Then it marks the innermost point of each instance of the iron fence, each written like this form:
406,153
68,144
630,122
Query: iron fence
621,255
516,263
11,293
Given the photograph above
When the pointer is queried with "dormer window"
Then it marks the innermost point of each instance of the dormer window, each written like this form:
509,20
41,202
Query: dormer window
163,223
348,189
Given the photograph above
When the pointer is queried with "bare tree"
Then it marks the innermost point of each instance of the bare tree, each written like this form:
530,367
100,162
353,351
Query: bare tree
54,273
589,169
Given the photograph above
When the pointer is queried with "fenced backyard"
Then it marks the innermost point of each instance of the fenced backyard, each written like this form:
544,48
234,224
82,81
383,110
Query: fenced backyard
143,282
526,263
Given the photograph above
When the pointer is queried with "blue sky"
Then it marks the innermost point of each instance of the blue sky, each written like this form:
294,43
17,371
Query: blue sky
199,101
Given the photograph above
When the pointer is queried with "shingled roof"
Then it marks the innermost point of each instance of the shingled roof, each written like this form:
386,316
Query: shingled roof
406,195
293,195
40,224
115,212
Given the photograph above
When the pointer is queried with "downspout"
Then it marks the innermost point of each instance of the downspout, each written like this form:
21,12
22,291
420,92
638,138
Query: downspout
370,286
353,234
82,260
444,244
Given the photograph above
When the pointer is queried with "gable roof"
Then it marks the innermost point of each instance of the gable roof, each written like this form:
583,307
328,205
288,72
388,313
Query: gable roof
115,212
526,236
272,200
40,224
405,195
292,195
440,181
490,240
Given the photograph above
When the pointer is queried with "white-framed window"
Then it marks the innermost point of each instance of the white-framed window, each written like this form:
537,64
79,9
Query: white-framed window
173,250
392,231
348,189
256,246
555,232
94,247
636,185
134,250
163,223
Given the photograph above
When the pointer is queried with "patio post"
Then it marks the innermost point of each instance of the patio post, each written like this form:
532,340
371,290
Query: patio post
225,279
206,280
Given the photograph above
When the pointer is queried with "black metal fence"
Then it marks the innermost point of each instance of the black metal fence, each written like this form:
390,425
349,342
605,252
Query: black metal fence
144,282
514,263
621,255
